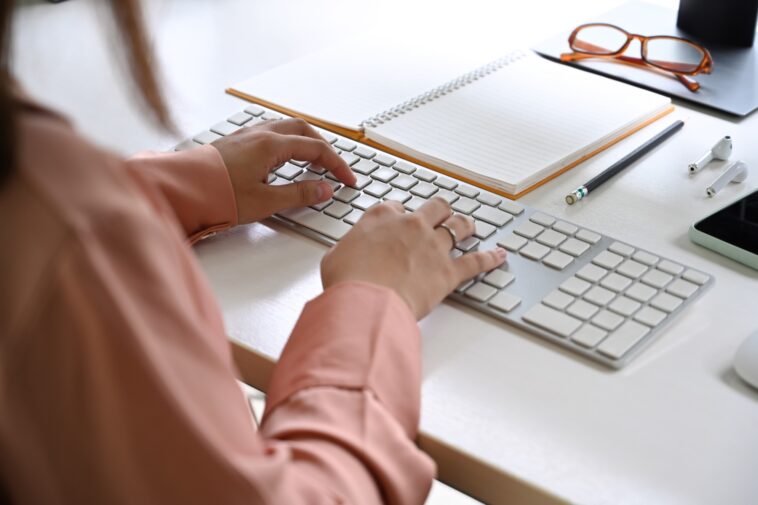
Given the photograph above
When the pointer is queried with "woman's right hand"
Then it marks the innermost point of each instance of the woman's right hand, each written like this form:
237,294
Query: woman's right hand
408,253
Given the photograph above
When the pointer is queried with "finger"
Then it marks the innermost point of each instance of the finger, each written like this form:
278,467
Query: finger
298,194
461,226
386,207
472,264
435,211
293,126
319,152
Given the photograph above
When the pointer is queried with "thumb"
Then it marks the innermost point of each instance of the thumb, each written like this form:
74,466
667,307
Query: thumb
299,194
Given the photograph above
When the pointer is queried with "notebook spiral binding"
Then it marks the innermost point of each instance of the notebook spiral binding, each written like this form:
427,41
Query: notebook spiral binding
443,89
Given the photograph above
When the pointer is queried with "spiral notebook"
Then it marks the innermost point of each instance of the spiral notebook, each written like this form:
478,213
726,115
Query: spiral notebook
508,125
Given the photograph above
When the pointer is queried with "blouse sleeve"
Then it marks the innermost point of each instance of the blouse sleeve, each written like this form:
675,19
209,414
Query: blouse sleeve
194,184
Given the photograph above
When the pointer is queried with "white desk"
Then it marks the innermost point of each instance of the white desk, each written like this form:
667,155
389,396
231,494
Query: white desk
509,417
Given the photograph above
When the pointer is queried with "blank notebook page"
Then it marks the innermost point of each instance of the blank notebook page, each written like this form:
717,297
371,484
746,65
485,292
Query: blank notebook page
515,126
345,85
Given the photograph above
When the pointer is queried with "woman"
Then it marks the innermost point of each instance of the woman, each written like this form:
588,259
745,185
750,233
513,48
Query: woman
116,379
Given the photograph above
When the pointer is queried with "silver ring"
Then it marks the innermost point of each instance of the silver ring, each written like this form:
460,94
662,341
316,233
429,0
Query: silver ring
451,232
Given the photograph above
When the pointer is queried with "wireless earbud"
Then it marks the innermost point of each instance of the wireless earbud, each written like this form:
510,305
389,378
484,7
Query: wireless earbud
721,151
735,172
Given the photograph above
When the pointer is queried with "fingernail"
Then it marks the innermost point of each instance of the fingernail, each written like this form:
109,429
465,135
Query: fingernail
500,252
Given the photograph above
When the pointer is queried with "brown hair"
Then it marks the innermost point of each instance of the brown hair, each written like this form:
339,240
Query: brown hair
131,30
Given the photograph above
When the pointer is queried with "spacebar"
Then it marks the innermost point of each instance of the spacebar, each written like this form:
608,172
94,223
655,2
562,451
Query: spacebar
316,221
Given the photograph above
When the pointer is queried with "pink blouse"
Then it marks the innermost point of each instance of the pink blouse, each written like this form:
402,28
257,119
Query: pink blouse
116,378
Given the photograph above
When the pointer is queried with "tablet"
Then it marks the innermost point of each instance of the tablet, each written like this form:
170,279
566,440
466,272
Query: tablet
732,231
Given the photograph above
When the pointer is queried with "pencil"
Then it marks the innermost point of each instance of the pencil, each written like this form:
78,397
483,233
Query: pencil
621,164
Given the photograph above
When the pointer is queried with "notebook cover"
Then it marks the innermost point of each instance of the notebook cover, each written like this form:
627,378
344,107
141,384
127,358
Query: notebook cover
731,88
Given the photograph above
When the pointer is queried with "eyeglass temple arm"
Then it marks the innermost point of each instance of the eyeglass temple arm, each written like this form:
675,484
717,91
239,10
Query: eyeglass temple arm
637,62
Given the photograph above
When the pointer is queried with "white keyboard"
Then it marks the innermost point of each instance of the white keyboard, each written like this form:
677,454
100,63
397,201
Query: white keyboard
601,298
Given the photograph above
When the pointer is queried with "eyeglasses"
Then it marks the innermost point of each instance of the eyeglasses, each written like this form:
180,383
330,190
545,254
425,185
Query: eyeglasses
672,55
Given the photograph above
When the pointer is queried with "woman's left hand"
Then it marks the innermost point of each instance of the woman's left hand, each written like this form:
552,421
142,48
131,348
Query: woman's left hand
251,153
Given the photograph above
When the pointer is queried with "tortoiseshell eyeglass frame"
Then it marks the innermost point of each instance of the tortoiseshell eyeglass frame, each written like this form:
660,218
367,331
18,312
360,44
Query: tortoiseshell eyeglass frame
584,50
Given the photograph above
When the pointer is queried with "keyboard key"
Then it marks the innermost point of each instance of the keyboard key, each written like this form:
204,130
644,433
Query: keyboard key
333,184
424,174
489,199
404,182
401,166
511,207
565,228
346,194
306,175
551,238
354,216
365,167
312,168
698,278
558,299
640,292
624,306
270,178
364,202
383,174
327,135
424,189
670,267
467,191
414,203
254,110
552,320
361,181
206,137
650,316
681,288
448,196
512,242
364,152
468,244
582,309
591,273
505,302
542,218
588,236
492,215
574,247
622,249
345,145
186,145
389,161
465,205
645,258
607,320
499,278
225,128
338,210
666,302
558,260
377,189
632,269
599,296
482,229
352,159
481,292
326,225
446,183
463,286
270,116
534,251
529,229
288,171
607,260
623,339
574,286
303,164
322,205
656,278
239,118
397,195
615,282
588,336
